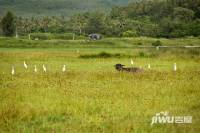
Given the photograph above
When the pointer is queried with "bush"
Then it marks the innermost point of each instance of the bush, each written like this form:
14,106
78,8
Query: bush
141,54
129,33
157,43
105,55
139,43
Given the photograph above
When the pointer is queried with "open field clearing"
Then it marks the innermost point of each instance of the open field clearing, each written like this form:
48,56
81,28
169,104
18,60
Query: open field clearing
100,66
91,96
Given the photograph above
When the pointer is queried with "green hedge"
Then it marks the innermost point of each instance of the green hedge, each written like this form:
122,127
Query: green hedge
129,33
50,36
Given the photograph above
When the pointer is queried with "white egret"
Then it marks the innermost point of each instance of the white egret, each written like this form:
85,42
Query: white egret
13,70
175,67
44,68
149,66
64,68
132,62
25,65
35,68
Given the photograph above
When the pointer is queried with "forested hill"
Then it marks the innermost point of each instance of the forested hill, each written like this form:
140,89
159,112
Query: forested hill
152,18
56,7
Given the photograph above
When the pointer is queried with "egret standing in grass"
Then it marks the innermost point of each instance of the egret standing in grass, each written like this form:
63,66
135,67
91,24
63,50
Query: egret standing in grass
175,67
44,68
13,70
149,66
64,68
132,62
25,65
35,68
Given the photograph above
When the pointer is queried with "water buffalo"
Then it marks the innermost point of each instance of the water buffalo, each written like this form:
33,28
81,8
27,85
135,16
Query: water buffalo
120,67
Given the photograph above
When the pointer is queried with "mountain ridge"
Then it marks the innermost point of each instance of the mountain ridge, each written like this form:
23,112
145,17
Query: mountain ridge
56,7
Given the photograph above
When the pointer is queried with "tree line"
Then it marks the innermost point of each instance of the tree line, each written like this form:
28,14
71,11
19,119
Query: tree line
156,18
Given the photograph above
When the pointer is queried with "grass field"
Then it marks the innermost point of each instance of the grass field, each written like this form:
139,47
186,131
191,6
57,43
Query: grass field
91,96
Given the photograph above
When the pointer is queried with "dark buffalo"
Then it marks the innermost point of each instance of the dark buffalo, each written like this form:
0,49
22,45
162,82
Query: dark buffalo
120,67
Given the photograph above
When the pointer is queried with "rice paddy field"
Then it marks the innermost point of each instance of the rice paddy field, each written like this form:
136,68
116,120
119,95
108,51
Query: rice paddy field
91,96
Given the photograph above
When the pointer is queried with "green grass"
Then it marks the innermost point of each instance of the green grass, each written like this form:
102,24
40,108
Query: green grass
105,43
91,96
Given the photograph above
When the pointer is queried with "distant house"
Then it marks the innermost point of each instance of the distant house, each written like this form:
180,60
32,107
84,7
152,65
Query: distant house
95,37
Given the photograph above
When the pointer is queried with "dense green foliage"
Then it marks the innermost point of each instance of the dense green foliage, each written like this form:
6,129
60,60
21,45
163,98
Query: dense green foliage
167,18
8,25
172,18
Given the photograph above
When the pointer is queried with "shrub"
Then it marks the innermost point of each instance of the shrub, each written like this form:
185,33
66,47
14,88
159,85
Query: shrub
105,55
141,54
129,33
139,43
157,43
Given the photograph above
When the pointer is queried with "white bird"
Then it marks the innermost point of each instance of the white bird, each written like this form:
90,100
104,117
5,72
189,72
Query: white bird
157,48
35,69
175,67
149,66
25,65
13,70
132,62
44,68
64,68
